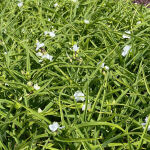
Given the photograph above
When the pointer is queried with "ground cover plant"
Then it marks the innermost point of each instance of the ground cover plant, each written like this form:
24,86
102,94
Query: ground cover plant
74,74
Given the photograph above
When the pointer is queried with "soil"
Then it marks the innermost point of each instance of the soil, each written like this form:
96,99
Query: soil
144,2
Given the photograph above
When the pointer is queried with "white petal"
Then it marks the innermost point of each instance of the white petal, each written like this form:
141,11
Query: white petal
126,50
79,96
86,21
53,127
47,56
36,87
75,47
5,53
52,34
139,22
39,45
88,107
50,57
39,54
39,110
106,67
62,127
45,32
56,5
143,124
102,65
20,98
49,19
126,36
148,128
146,119
20,4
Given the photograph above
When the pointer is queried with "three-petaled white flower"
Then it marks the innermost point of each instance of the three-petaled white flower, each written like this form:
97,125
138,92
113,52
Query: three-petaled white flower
20,3
143,124
126,35
75,47
86,21
36,87
79,96
39,45
53,127
126,49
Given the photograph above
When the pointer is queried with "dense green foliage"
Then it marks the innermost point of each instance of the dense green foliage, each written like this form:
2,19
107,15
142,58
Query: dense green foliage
119,96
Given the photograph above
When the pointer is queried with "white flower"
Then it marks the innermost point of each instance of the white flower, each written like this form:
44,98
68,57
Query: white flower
53,127
39,45
103,65
5,53
56,5
39,54
52,34
86,21
139,22
75,47
88,107
20,4
79,96
126,50
126,36
49,19
36,87
39,110
47,56
106,67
